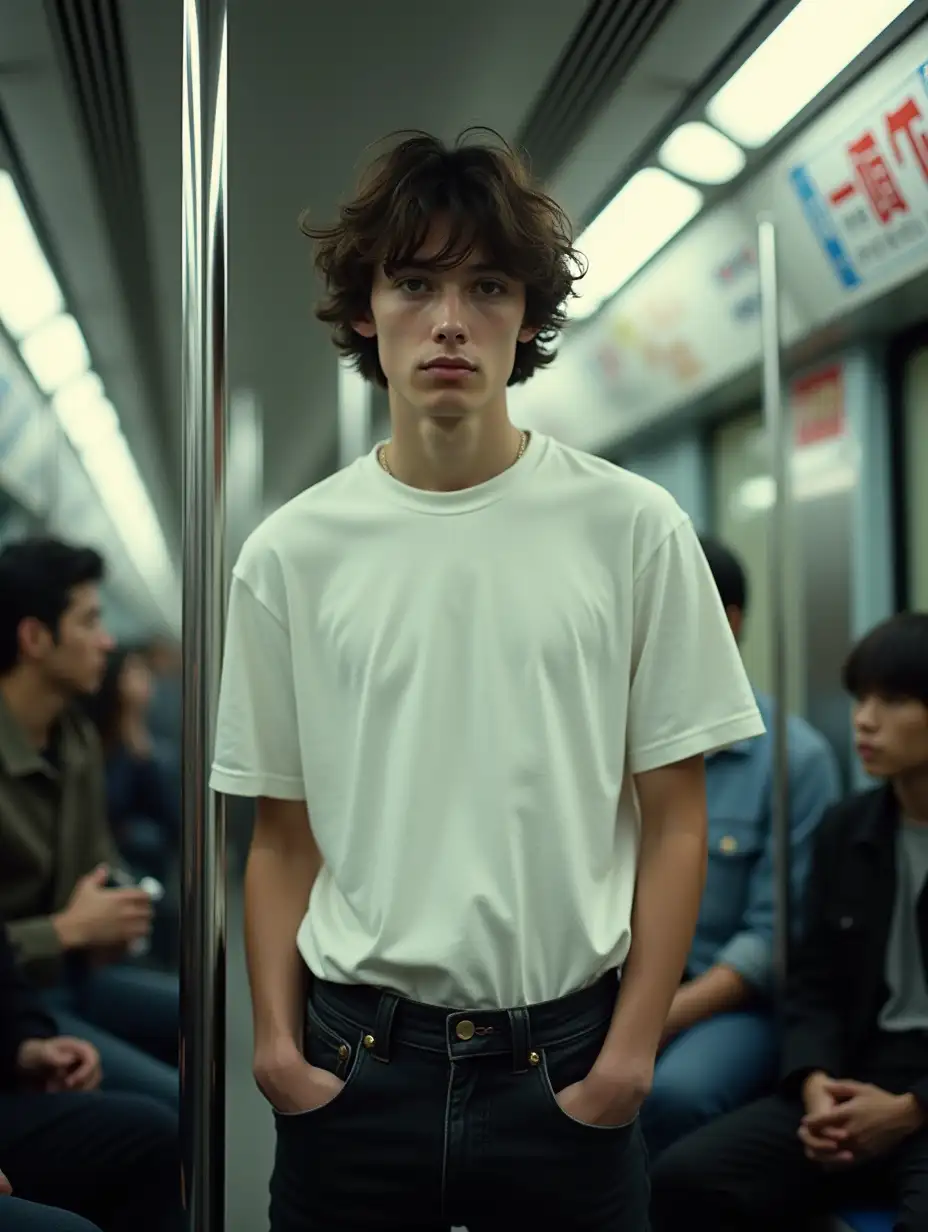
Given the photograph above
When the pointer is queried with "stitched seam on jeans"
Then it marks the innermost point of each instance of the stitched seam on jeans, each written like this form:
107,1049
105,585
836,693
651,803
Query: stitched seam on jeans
445,1147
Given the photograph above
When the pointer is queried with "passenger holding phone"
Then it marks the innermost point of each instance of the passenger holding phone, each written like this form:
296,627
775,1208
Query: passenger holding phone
72,927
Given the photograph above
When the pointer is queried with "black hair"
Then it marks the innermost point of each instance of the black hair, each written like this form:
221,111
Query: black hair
105,706
891,661
37,577
727,572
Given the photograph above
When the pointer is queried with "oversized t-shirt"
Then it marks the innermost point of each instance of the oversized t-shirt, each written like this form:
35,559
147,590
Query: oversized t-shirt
461,686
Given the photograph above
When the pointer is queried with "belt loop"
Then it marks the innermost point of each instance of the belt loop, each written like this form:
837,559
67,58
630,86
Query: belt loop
521,1040
383,1026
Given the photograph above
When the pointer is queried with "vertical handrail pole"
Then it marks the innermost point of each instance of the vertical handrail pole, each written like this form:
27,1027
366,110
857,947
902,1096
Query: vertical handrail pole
204,398
778,442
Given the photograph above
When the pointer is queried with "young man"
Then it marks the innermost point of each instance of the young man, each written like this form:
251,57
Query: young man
470,680
68,929
849,1123
722,1038
110,1158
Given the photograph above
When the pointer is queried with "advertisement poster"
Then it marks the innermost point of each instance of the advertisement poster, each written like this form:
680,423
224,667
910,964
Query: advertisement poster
865,193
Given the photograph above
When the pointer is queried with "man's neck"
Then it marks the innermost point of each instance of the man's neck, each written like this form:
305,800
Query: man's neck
451,454
912,793
33,704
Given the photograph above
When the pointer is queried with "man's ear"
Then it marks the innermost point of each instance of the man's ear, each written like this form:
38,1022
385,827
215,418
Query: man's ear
35,638
527,333
365,327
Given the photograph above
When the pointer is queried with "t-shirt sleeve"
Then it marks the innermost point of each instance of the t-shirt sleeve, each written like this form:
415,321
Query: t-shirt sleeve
257,744
689,690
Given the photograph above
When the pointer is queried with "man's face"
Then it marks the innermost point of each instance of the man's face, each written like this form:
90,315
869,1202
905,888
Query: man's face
447,338
891,735
76,660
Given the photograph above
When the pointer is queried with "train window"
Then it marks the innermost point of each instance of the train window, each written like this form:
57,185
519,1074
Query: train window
743,494
916,436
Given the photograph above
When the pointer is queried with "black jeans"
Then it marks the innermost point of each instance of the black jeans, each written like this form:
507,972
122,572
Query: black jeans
115,1159
747,1172
451,1119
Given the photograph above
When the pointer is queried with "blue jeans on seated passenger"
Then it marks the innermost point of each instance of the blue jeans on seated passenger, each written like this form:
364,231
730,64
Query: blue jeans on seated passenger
132,1017
712,1068
18,1216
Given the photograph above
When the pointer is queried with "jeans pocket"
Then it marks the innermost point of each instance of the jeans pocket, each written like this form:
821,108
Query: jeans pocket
337,1051
568,1062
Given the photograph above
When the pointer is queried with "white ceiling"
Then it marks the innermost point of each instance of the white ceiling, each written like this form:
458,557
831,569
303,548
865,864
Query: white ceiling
310,87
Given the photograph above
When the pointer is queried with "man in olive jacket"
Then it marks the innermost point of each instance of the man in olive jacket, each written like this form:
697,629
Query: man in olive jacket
68,926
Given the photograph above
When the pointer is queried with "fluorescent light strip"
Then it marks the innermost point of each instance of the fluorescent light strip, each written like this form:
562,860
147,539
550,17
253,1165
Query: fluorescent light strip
698,152
55,353
92,426
639,221
32,311
29,294
806,51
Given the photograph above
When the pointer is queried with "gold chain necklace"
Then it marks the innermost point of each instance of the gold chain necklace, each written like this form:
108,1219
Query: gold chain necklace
382,454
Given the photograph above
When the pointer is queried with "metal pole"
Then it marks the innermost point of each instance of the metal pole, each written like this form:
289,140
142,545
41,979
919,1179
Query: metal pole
779,451
203,930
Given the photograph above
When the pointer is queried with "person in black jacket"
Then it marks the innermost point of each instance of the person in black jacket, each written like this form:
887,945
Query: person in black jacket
849,1123
113,1159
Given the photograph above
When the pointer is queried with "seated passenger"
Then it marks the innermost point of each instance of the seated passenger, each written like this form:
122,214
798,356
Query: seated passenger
143,811
68,929
111,1158
720,1045
848,1125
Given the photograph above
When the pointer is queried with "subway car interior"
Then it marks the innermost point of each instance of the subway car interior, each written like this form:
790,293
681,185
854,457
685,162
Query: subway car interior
164,385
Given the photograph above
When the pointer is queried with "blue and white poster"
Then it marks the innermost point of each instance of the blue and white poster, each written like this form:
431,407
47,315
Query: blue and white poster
865,193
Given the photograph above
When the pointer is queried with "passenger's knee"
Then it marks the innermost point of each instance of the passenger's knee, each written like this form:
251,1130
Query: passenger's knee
148,1126
676,1190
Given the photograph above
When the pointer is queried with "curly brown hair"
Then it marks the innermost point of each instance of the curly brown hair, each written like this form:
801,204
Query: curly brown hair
489,199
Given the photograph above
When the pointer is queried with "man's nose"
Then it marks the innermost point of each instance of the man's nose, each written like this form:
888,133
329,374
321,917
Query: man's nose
449,324
865,718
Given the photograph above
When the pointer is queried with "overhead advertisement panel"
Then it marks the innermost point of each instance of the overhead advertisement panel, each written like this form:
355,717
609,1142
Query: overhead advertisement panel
865,194
850,197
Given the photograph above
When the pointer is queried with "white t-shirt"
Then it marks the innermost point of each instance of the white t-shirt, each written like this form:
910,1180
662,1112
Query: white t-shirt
461,685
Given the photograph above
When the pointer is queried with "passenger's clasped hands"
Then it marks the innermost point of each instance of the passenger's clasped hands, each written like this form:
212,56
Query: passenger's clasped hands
847,1122
60,1064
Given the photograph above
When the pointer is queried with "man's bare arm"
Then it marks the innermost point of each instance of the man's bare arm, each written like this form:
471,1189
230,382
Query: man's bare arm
671,877
283,864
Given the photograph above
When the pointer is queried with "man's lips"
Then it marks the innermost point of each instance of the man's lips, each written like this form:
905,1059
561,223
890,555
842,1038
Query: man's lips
449,365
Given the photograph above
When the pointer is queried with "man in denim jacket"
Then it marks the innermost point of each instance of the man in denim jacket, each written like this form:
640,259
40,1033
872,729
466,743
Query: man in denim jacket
720,1045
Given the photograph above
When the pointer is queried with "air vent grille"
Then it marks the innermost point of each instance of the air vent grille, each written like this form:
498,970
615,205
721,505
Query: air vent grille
608,40
93,62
